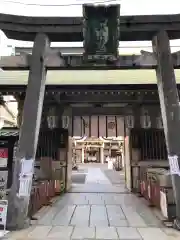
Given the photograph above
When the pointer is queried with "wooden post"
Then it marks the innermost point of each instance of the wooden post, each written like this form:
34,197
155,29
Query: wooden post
20,101
18,202
82,155
102,154
170,110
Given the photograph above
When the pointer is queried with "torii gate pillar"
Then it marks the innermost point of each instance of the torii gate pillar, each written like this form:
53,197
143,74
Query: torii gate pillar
18,202
170,110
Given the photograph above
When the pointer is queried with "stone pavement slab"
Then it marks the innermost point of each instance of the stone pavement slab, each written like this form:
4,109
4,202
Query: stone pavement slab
115,177
129,233
106,233
80,216
120,223
60,232
83,233
97,188
95,199
64,216
98,216
40,232
78,177
95,175
72,199
21,234
47,218
152,233
172,233
134,219
116,216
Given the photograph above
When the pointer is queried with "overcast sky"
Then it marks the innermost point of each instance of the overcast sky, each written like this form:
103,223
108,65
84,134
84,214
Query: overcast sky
128,7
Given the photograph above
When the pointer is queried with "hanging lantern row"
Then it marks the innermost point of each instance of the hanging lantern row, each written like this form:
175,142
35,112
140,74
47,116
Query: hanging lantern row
52,121
145,121
52,118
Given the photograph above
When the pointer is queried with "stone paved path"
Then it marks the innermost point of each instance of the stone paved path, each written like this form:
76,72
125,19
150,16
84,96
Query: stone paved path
112,213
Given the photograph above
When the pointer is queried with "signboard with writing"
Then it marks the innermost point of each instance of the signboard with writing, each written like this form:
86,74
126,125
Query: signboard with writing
101,33
3,212
3,183
3,157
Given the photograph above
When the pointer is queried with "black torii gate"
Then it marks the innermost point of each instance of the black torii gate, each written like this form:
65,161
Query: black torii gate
43,30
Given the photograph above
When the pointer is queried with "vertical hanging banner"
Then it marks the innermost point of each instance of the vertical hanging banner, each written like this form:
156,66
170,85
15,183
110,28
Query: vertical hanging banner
120,126
102,126
86,126
77,126
94,126
111,126
101,33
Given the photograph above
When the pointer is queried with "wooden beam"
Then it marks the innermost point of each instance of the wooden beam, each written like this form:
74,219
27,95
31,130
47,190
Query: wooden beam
148,58
70,29
54,60
111,97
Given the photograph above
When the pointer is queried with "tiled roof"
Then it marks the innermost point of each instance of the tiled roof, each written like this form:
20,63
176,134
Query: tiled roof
86,77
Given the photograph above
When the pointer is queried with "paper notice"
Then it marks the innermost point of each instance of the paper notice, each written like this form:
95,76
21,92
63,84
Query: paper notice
25,186
174,165
3,162
27,167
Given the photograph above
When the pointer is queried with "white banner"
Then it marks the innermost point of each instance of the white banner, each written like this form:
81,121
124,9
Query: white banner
25,186
174,165
86,125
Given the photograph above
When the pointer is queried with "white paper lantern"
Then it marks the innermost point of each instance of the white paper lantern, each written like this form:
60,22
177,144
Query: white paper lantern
129,121
145,120
52,118
159,122
65,122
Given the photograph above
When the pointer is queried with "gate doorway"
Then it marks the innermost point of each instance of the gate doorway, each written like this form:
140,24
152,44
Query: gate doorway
95,138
